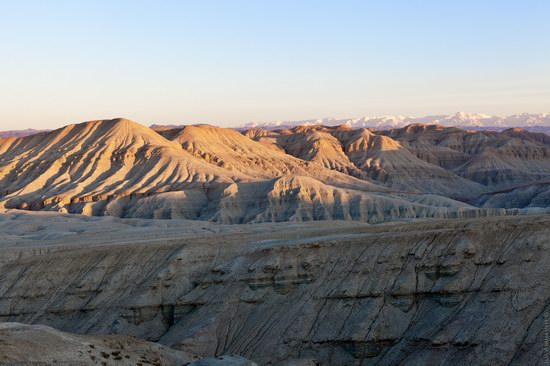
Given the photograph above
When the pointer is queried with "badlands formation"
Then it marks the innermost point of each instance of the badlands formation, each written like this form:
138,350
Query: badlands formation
123,169
170,292
416,245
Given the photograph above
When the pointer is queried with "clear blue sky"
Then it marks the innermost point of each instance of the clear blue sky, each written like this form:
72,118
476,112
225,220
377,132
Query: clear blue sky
228,62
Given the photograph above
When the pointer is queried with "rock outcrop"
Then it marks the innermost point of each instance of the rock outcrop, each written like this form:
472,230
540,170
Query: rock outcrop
22,344
429,292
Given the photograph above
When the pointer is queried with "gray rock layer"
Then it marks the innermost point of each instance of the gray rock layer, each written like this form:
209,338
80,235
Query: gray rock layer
452,292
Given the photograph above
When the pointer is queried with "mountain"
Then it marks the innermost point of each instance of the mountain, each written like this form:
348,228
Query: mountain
536,122
95,167
121,168
229,149
336,290
371,156
495,160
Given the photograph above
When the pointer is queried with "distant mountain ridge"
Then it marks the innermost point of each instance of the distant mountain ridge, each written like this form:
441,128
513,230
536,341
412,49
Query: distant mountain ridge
20,133
530,121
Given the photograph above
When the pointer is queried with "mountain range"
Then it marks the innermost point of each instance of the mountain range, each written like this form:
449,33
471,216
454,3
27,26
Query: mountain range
121,168
534,122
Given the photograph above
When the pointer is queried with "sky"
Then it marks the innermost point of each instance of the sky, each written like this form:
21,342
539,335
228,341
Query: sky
232,62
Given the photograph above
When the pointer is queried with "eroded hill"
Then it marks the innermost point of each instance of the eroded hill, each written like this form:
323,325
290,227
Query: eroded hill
122,169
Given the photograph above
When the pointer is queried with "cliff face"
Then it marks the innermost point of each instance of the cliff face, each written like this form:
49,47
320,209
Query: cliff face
434,292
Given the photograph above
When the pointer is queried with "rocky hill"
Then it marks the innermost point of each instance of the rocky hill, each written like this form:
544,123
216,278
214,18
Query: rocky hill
123,169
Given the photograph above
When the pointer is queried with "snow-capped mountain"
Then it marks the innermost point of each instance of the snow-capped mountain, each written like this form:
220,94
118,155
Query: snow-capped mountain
460,119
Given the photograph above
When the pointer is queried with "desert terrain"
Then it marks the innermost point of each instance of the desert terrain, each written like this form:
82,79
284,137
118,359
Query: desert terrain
123,169
136,291
122,244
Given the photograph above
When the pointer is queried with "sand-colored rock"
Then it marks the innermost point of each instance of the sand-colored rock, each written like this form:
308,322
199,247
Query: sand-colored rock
437,157
496,160
120,168
318,276
234,151
22,344
95,162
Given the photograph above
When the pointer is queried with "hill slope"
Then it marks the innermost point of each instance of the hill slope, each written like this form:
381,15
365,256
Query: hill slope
120,168
93,164
371,156
496,160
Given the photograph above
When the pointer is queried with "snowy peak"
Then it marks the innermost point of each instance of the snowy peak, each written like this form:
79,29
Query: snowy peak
459,119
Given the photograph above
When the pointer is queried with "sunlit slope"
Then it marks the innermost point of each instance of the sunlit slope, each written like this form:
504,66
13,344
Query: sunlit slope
121,168
97,161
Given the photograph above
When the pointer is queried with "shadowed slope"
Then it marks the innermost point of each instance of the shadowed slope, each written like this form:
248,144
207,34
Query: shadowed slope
387,161
533,195
497,160
372,157
336,293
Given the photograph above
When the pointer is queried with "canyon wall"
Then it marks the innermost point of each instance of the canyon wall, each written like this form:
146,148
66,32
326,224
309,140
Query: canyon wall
472,291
